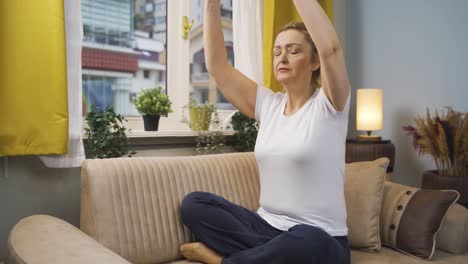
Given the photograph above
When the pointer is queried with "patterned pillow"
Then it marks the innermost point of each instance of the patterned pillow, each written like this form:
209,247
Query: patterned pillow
411,218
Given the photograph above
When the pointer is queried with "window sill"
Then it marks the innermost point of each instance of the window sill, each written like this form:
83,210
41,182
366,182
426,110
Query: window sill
164,138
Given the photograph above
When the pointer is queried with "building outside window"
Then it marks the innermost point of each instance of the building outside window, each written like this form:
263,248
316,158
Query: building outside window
119,59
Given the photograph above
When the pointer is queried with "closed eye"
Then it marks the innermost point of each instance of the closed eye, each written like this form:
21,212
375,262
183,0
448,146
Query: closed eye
294,51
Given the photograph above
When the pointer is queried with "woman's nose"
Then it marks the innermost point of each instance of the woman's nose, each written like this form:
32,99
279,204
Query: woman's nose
283,58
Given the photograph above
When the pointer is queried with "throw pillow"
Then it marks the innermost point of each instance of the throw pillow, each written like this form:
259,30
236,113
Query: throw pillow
453,235
411,218
364,183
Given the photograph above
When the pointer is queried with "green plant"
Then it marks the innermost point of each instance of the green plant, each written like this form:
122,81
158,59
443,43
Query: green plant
246,132
105,134
152,102
199,115
445,137
207,141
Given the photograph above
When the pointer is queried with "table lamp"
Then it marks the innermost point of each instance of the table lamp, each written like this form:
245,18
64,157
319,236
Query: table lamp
369,113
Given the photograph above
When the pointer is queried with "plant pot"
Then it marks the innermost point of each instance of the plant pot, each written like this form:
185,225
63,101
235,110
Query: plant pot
151,122
433,180
200,118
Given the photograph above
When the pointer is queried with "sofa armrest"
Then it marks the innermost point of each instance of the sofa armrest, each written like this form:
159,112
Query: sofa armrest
453,235
46,239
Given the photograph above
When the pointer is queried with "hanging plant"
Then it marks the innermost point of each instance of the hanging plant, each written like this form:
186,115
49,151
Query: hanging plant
204,120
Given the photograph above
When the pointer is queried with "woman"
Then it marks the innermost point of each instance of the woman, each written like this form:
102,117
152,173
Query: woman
299,150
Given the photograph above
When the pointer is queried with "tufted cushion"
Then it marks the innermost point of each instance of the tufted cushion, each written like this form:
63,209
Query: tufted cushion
411,218
364,183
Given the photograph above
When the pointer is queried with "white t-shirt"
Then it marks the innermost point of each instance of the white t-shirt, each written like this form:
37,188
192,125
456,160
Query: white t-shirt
301,160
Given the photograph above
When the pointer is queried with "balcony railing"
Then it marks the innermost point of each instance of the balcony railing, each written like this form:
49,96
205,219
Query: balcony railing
119,39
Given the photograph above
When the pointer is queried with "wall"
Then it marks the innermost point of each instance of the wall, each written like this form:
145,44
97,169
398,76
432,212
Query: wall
31,188
416,51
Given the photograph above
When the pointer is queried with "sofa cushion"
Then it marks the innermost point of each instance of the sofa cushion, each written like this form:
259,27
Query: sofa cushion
411,218
363,191
453,235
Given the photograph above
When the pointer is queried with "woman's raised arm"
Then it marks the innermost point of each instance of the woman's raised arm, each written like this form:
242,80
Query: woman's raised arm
333,68
235,86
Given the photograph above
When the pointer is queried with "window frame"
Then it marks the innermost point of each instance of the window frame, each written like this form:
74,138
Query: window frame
177,75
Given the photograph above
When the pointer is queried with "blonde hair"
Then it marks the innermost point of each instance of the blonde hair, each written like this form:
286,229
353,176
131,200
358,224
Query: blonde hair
316,80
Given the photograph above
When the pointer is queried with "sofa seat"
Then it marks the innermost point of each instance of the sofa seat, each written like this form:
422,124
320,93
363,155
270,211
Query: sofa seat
387,256
390,256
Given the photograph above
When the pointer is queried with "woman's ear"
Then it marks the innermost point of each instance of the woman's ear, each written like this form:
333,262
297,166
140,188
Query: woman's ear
316,63
316,66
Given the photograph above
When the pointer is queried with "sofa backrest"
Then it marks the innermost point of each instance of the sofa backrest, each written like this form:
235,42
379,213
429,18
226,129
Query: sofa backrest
132,205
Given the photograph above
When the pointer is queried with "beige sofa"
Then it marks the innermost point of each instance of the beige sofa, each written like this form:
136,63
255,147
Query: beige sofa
130,213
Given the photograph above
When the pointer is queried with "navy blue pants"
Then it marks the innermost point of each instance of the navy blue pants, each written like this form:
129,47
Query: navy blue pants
242,236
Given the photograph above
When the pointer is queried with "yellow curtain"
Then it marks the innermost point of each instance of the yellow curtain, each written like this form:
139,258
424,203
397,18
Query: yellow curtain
276,14
33,80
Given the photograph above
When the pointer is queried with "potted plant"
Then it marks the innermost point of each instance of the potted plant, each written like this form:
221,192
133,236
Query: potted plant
246,132
445,137
105,135
199,115
204,120
151,104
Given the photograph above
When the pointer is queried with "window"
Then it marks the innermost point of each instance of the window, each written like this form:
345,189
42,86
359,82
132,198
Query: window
126,47
202,88
146,74
161,76
120,52
149,7
161,7
107,91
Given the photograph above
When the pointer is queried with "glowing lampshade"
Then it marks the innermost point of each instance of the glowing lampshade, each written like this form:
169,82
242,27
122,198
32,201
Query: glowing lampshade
369,110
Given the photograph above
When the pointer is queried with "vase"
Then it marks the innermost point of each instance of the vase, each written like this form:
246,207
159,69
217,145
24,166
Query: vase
151,122
434,180
200,118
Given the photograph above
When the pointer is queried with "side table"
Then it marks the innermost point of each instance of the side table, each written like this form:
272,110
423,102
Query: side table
357,150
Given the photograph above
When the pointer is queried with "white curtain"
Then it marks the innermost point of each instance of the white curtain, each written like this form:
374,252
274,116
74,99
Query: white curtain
74,37
248,37
247,27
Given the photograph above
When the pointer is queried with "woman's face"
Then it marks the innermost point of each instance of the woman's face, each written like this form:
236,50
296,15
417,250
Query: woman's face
293,57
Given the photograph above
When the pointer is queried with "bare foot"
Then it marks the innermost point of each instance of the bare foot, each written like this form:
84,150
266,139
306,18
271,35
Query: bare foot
199,252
